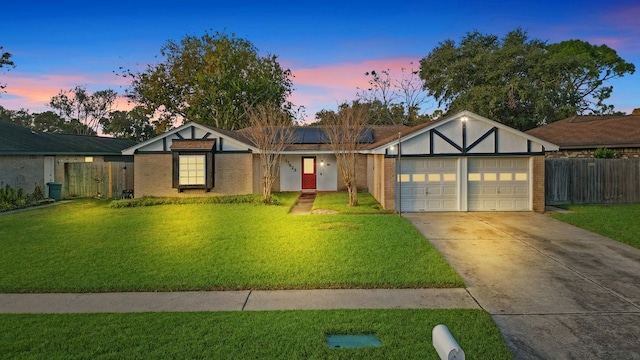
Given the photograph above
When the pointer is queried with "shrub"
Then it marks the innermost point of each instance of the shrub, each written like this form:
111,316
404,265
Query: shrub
37,194
227,199
604,153
11,199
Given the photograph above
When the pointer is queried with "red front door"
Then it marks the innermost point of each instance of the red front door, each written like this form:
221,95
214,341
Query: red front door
308,173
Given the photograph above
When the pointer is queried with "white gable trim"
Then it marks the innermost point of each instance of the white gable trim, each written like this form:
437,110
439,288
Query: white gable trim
162,143
447,126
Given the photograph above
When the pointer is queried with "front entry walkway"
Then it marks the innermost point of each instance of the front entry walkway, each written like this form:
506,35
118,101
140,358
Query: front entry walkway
304,204
554,290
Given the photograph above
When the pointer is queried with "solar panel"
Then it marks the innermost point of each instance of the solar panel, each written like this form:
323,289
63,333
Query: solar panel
316,135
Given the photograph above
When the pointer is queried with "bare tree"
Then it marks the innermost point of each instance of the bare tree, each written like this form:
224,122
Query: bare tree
271,130
395,100
413,95
345,133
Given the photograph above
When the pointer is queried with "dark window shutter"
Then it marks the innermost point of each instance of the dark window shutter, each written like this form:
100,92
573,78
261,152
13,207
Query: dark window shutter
210,170
176,169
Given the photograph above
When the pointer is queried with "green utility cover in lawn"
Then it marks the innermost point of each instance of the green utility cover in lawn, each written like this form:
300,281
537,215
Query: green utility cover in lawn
353,341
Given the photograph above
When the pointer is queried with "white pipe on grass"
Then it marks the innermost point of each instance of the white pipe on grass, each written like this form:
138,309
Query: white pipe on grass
445,344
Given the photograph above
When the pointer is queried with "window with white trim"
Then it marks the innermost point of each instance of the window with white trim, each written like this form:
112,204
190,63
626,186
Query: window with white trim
192,170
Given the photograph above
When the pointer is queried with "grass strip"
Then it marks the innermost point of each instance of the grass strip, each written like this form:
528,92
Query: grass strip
338,202
618,222
405,334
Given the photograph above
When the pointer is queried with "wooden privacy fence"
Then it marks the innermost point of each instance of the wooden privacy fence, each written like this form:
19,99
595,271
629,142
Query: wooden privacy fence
97,179
592,181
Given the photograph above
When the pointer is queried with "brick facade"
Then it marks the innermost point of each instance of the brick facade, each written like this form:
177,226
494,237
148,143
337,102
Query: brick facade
361,174
382,180
537,181
389,184
233,175
22,172
625,153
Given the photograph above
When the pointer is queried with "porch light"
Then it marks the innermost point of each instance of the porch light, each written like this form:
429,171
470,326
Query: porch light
322,162
464,118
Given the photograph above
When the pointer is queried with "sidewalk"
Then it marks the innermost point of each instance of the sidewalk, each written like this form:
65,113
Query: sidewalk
247,300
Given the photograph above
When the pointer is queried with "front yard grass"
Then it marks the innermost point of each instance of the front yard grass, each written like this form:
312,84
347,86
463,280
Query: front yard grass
404,334
86,246
337,202
618,222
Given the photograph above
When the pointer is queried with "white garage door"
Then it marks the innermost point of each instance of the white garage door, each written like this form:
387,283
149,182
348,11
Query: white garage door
428,184
498,184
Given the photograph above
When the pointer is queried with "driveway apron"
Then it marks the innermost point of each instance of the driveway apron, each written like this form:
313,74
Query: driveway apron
554,290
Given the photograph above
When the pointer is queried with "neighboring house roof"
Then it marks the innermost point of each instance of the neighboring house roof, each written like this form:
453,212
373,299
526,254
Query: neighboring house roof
591,132
18,140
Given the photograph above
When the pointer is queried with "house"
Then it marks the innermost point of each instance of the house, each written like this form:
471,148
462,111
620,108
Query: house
580,136
464,162
84,165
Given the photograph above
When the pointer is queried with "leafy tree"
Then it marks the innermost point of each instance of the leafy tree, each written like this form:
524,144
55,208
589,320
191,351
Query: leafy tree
519,81
50,122
583,69
5,114
47,121
345,131
20,117
271,130
210,79
376,114
82,110
133,124
5,61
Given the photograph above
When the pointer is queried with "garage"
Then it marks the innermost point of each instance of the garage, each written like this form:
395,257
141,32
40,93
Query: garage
428,184
464,162
498,184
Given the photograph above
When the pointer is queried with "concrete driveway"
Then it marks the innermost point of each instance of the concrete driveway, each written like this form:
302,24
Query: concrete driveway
554,290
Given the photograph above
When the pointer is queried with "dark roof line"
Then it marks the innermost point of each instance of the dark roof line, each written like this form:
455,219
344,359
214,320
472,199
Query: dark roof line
18,140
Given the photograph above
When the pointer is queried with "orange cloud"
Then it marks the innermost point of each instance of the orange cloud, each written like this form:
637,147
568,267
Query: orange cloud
33,92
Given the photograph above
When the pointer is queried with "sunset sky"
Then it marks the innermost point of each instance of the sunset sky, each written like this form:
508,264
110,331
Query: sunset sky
328,45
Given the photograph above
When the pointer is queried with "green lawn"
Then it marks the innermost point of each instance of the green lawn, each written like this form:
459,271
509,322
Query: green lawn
405,334
619,222
337,202
86,246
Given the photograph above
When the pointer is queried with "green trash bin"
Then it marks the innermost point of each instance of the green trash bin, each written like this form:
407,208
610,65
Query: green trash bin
54,190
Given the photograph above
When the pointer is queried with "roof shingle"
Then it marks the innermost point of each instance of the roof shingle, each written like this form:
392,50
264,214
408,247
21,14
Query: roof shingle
18,140
582,132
